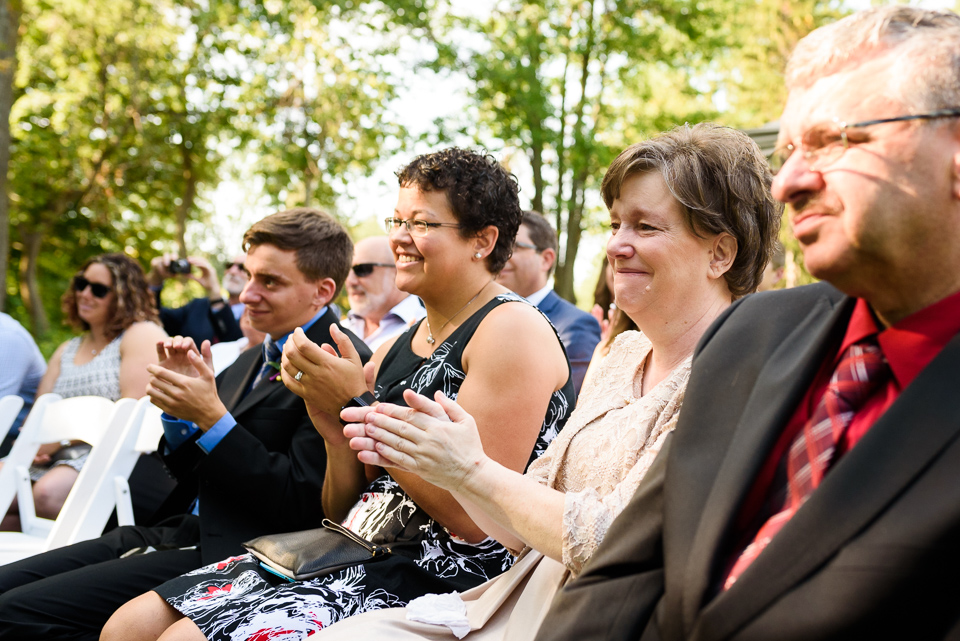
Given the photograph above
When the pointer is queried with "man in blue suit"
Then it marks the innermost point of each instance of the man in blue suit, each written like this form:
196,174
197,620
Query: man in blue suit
527,273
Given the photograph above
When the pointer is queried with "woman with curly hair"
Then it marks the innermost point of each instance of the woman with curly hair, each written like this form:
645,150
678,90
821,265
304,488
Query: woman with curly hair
109,301
451,233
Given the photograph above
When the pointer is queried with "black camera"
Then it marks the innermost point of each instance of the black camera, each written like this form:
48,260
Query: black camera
180,266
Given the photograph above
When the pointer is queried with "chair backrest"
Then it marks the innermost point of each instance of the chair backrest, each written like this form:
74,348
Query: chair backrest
23,450
93,419
139,435
10,407
83,418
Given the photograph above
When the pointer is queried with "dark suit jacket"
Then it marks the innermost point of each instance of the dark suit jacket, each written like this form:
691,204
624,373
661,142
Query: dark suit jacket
874,551
579,332
266,475
199,322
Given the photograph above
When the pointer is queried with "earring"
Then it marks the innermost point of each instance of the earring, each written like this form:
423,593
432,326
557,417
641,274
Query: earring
478,255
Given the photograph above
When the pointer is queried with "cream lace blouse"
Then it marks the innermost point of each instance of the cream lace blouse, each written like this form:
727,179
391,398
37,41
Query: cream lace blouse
607,445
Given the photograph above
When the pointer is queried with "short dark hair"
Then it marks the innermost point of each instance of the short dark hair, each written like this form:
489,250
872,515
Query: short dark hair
480,192
541,232
323,246
722,182
133,301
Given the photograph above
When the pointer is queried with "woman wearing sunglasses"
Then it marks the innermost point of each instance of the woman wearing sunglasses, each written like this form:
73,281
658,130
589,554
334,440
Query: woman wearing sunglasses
108,300
452,231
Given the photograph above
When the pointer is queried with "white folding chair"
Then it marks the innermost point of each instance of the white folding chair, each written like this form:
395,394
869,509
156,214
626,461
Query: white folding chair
93,419
140,436
10,407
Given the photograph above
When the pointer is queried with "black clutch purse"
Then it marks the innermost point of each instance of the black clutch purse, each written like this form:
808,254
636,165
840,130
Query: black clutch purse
313,553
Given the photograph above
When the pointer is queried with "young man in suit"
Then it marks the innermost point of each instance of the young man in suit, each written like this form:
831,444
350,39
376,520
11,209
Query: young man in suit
811,489
247,458
527,272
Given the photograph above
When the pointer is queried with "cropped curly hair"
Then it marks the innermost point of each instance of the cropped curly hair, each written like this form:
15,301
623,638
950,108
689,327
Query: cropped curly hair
480,192
722,182
133,301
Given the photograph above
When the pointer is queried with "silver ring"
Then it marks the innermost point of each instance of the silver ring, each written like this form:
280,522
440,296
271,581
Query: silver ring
298,376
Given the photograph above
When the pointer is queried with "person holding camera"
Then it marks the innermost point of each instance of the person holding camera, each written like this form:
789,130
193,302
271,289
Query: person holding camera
211,317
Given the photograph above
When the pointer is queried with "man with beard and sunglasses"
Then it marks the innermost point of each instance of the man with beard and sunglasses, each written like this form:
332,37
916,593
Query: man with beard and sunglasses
378,310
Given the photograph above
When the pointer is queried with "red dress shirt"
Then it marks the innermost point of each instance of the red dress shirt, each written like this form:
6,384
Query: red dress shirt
908,346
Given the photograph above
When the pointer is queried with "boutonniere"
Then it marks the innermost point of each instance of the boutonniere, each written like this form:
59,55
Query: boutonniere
275,365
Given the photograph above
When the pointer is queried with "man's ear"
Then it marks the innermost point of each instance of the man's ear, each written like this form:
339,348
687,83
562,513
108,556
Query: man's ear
724,251
547,258
326,288
486,240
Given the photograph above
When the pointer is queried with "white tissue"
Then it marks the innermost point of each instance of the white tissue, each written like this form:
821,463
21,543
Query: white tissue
441,609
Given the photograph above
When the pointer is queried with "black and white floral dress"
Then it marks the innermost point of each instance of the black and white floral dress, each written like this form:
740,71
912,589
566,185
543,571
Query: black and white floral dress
238,600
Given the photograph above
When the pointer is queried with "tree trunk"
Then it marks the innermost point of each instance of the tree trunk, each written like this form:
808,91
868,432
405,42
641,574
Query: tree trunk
189,197
536,165
29,286
564,282
9,26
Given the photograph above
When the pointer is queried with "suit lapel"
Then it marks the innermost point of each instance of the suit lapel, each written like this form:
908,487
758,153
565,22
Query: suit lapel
237,377
780,386
861,485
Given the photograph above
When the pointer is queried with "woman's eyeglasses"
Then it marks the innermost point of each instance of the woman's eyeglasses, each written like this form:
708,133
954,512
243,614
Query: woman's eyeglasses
365,269
99,290
414,227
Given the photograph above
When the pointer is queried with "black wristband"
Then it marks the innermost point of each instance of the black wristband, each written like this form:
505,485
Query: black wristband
364,400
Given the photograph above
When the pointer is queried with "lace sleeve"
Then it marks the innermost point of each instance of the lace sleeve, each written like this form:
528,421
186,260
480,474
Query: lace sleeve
587,515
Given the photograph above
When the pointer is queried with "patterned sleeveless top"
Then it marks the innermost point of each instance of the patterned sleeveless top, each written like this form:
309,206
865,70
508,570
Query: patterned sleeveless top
387,515
99,377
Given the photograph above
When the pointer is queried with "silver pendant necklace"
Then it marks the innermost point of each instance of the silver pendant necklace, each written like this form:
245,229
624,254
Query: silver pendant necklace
430,339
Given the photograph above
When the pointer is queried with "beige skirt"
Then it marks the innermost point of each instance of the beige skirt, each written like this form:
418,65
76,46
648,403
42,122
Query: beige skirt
508,608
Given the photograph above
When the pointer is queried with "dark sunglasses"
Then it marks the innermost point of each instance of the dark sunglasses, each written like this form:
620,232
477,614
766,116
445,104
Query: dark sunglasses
228,266
99,290
365,269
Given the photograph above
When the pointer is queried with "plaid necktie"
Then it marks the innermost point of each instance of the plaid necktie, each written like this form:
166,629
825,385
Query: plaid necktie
861,370
271,354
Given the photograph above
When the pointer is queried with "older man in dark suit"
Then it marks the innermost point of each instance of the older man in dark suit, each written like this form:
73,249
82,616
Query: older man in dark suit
812,486
246,456
528,272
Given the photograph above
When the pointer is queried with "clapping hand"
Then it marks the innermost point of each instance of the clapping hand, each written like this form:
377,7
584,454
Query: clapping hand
438,441
315,373
183,383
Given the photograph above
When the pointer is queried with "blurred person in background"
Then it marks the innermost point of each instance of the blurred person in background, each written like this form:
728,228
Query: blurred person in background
207,318
773,274
528,273
378,310
23,367
109,301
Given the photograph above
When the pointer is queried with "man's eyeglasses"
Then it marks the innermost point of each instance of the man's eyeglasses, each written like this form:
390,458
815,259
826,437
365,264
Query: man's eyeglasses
414,227
228,266
365,269
824,143
99,290
519,245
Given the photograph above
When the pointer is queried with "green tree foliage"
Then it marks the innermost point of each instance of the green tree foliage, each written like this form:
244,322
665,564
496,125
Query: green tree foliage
107,152
308,93
123,111
571,83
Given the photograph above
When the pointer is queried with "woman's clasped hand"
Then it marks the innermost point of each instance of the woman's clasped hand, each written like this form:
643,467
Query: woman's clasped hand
436,440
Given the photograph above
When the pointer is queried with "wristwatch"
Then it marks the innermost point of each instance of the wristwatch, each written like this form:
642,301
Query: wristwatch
364,400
